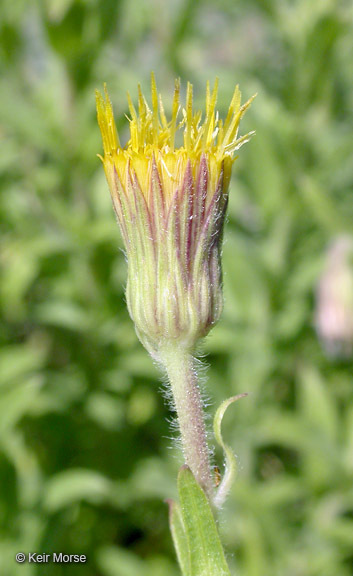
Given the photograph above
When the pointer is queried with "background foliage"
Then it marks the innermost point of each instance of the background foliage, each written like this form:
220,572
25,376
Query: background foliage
85,458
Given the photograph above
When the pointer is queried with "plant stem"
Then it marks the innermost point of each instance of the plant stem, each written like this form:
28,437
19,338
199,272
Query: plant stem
180,367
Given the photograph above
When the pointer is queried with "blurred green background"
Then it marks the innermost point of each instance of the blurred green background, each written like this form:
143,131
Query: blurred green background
86,450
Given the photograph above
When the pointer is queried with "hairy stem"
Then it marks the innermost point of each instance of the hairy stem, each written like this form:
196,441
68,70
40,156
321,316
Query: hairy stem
180,367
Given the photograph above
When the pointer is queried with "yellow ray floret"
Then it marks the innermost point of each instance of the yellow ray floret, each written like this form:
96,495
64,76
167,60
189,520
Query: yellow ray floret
152,135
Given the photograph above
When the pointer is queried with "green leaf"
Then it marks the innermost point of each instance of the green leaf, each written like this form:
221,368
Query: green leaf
180,541
115,561
204,545
229,456
74,485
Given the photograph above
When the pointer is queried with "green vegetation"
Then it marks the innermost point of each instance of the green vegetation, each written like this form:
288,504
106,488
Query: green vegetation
85,458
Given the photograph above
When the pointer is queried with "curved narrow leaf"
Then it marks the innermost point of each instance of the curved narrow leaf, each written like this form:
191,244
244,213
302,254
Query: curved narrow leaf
229,456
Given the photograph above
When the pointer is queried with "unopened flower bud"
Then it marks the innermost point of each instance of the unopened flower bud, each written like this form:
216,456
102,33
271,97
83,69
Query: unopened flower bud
170,204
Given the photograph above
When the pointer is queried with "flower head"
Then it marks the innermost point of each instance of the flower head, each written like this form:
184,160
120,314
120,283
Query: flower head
334,300
170,200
